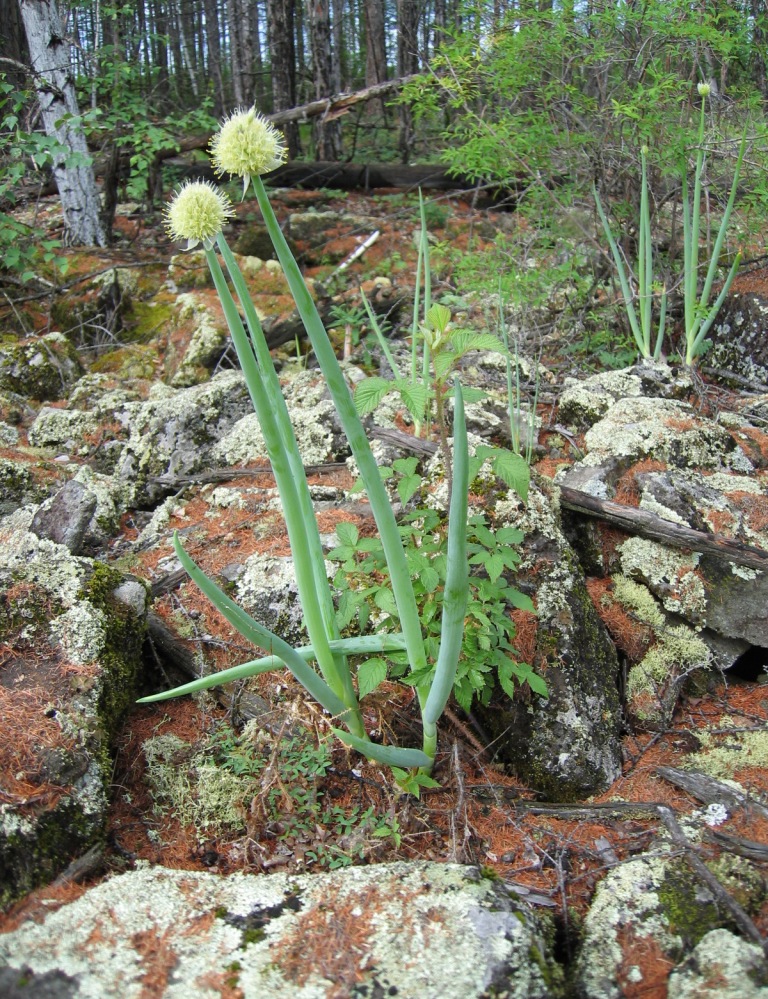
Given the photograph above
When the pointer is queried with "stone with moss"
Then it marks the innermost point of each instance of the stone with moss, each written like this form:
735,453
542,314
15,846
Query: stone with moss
663,430
648,910
87,644
204,346
175,431
584,401
722,966
565,746
41,368
407,929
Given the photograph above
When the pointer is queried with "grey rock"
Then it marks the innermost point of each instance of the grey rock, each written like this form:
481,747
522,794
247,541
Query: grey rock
586,400
722,966
738,337
41,368
174,433
645,911
418,931
65,517
75,687
567,745
17,486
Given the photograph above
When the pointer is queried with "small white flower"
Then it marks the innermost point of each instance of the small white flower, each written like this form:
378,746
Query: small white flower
704,89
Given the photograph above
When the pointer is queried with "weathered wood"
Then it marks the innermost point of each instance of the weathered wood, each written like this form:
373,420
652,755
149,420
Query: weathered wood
329,107
710,790
648,525
170,649
346,176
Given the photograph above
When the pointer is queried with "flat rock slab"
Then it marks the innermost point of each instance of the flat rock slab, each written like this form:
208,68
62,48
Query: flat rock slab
414,931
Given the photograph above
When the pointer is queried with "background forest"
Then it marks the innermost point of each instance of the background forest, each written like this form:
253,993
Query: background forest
546,98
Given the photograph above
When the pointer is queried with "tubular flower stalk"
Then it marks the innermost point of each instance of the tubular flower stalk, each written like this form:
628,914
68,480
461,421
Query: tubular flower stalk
197,213
247,145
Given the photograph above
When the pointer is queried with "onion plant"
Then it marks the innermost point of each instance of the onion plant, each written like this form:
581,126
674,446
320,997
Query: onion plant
248,146
699,313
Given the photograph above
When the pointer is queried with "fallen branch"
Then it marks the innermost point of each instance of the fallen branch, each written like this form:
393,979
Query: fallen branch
648,525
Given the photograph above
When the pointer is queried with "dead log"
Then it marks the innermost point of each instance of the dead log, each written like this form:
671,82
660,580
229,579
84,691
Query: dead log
346,176
648,525
710,790
329,107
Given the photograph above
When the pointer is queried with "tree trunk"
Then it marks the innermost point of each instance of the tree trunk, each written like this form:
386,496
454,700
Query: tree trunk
73,168
213,45
375,48
280,34
407,64
327,132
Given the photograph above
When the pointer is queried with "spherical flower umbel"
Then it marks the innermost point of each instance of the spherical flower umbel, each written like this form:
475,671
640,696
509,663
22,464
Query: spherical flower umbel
197,213
247,145
704,89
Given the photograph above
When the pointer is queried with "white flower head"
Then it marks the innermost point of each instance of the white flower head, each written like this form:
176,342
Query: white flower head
247,145
197,213
704,89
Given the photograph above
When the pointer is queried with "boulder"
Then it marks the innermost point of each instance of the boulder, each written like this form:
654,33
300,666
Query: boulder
722,966
73,632
41,367
738,336
565,746
415,930
175,431
651,916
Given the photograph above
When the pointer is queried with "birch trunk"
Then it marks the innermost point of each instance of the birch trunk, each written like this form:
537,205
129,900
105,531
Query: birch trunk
73,167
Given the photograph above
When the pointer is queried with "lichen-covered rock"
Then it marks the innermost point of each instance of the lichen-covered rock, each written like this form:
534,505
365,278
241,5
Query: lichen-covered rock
702,479
41,368
266,588
567,745
586,400
17,486
647,914
314,420
203,347
73,645
175,431
738,337
663,430
418,931
64,430
722,966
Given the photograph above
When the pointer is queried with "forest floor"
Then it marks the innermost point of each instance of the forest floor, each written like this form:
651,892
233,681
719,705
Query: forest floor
308,803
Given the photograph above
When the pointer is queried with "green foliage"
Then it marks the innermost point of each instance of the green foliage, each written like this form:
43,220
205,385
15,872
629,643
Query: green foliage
558,92
487,653
24,246
238,781
699,312
136,121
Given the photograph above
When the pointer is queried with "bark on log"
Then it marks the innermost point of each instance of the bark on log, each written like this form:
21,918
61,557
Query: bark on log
710,790
330,107
348,176
648,525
